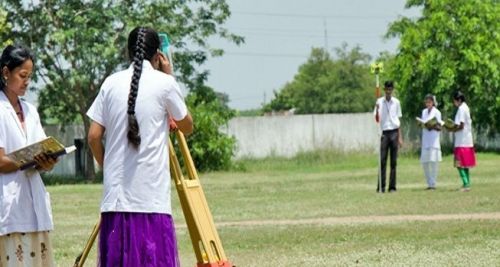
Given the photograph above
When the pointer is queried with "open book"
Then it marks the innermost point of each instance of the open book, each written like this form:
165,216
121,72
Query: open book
24,157
449,124
431,123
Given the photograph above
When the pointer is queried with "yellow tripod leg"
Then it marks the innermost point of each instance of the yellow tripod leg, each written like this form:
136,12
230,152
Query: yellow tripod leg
80,260
204,237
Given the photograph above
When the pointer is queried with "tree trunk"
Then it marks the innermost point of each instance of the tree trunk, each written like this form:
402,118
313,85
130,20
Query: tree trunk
89,161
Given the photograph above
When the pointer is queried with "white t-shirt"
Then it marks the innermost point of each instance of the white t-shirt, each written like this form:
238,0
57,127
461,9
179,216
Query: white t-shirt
25,205
389,113
463,138
430,138
137,180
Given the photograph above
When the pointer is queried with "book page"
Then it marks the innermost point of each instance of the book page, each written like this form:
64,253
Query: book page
26,154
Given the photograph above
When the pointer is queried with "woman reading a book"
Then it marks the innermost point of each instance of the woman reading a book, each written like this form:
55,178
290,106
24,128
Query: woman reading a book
465,156
133,108
25,205
430,155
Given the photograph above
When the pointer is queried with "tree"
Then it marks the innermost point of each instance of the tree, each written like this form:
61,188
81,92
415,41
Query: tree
210,148
387,58
4,28
453,45
326,85
79,43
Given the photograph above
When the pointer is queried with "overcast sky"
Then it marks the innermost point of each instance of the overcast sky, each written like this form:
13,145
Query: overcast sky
279,35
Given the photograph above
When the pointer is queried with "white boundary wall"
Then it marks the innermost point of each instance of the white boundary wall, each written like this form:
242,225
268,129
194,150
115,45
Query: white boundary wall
259,137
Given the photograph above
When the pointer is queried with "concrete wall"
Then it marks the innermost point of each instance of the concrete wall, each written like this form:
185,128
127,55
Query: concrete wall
259,137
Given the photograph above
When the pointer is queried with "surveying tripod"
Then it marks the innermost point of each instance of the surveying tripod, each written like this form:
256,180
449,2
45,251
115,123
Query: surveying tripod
204,237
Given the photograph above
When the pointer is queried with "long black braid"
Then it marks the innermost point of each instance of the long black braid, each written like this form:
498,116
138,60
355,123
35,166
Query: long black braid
133,134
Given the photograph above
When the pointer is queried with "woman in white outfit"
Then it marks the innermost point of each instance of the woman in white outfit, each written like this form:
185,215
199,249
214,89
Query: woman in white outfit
26,215
431,146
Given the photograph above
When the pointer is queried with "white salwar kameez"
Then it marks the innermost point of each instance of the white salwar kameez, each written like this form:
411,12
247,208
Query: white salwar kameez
431,147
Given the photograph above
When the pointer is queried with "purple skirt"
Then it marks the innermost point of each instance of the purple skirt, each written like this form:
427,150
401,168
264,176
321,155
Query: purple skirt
137,239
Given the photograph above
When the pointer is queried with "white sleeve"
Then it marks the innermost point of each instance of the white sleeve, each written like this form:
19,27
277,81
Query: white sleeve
176,107
96,111
438,116
459,118
3,141
400,114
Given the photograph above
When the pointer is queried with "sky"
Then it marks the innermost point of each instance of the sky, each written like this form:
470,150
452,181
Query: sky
279,35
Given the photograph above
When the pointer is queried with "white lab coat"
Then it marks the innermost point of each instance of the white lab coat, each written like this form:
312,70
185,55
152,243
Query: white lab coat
431,145
430,138
25,204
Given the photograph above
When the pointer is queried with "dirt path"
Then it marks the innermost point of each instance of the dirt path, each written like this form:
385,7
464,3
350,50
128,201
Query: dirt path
366,219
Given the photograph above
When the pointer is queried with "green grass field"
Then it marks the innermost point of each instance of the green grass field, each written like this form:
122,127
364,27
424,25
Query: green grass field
280,192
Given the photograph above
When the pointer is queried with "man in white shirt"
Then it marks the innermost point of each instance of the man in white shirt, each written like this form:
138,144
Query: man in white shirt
387,113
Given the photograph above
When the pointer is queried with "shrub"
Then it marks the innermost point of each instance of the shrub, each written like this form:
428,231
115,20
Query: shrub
210,148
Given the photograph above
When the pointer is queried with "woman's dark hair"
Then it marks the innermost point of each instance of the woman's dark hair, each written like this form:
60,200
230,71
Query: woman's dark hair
389,84
432,98
13,57
459,96
143,43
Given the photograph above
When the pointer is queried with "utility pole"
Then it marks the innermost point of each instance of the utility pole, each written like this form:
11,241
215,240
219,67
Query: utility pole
326,34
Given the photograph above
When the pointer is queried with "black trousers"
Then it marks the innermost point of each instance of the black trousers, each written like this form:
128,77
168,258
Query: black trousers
388,145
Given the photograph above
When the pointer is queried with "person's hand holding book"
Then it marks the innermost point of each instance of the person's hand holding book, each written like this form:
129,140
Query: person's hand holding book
450,125
45,162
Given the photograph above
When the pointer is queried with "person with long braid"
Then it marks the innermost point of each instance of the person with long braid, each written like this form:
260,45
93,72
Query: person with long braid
131,114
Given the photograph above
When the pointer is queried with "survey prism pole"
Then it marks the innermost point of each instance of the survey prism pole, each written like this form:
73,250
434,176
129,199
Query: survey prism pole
377,68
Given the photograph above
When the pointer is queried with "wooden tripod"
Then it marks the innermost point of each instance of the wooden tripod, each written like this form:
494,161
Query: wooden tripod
204,237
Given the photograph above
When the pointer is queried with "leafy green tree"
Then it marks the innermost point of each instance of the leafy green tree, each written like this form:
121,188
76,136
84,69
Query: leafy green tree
453,45
326,85
79,43
387,58
4,28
